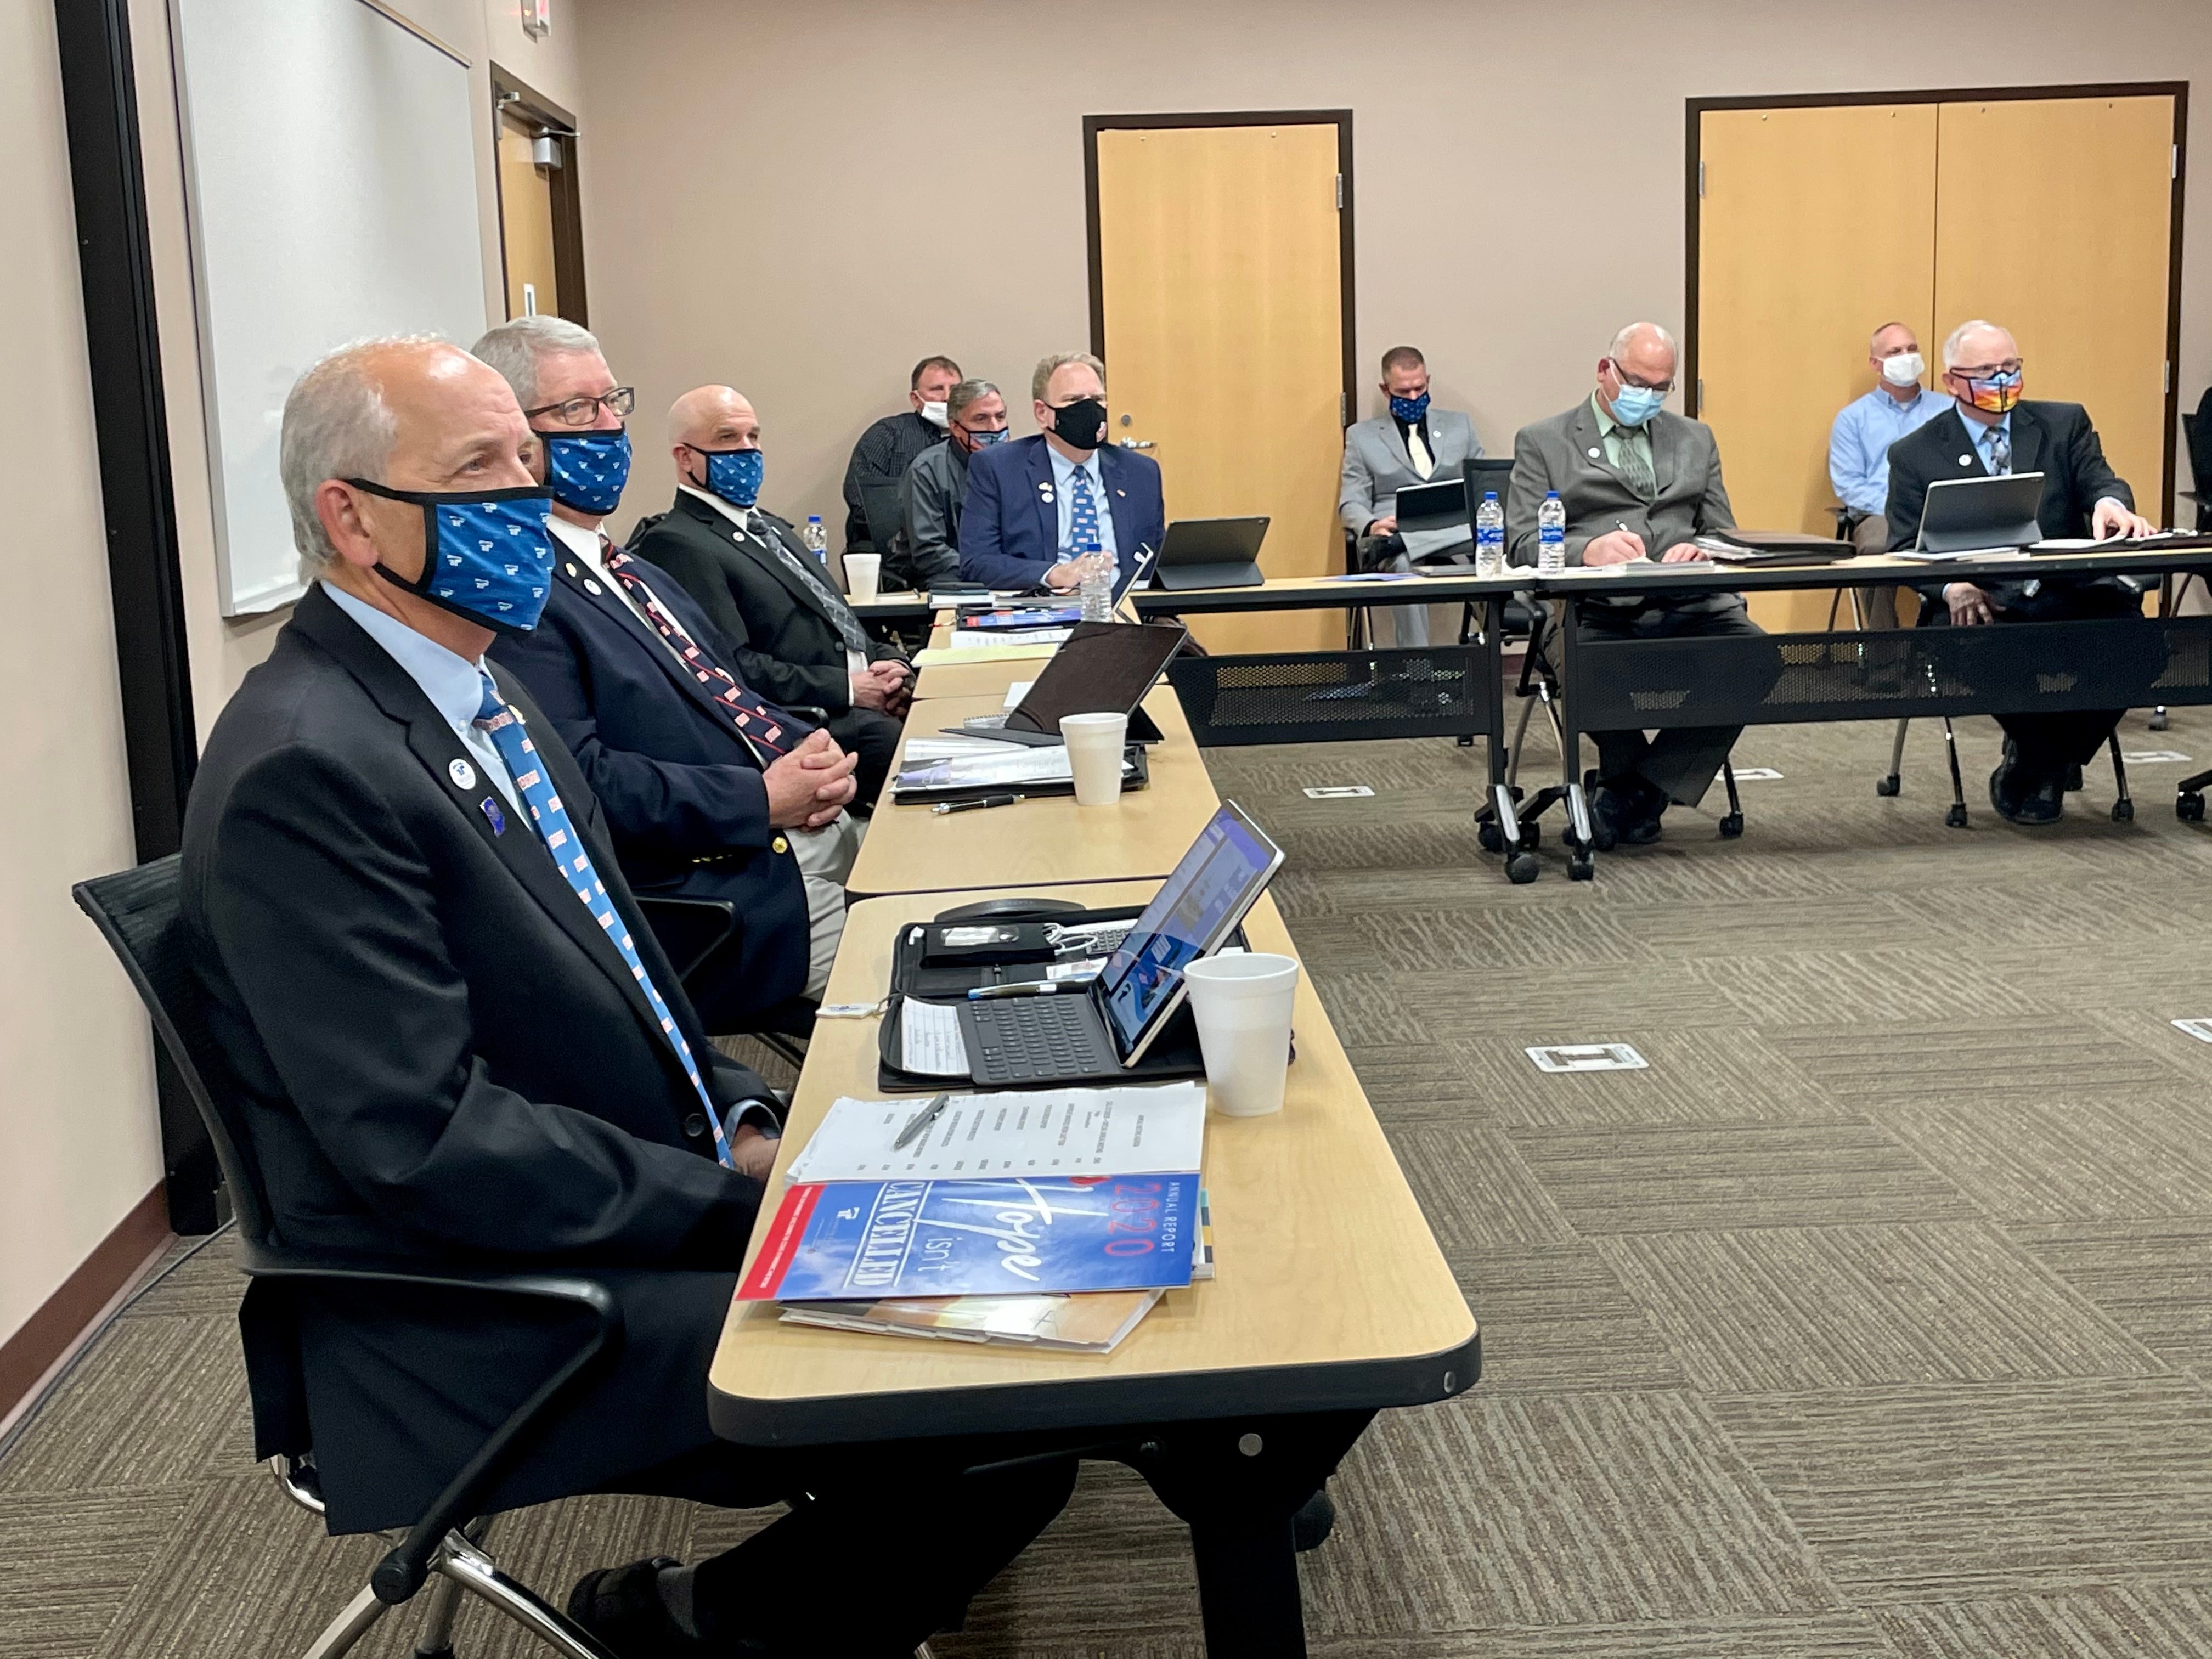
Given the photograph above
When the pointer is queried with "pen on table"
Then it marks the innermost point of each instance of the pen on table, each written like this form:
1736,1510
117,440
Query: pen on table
1027,987
945,806
921,1120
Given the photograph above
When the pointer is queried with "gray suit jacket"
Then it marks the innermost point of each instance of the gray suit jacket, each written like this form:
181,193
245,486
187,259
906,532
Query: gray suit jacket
1376,465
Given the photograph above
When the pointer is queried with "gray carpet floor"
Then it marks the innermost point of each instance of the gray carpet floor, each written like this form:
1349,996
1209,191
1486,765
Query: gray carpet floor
1874,1320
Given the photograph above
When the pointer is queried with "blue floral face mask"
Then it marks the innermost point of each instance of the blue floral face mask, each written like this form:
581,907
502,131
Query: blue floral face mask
735,474
1410,410
488,556
588,470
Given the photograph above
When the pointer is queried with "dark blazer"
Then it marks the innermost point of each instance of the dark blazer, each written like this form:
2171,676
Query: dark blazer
674,781
2056,439
786,647
1010,523
442,1057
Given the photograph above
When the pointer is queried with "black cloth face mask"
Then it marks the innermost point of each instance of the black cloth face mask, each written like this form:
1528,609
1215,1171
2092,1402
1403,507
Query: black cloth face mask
1081,424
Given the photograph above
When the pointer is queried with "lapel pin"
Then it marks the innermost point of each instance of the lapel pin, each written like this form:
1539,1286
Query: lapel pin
571,569
1121,492
1592,454
591,586
498,819
462,774
1965,460
1045,492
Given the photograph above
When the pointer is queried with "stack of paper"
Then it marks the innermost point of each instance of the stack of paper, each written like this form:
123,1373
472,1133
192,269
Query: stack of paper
985,639
1011,1133
978,763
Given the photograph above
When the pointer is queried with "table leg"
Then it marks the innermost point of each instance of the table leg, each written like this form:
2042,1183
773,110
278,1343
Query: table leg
1581,864
1237,1483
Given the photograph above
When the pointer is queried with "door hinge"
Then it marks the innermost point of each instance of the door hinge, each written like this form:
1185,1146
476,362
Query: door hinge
2174,163
2168,386
1343,408
1700,409
1339,193
1701,181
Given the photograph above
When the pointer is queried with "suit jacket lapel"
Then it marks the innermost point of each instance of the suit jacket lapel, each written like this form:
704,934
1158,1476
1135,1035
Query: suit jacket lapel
752,542
610,603
1393,441
1041,492
1666,451
2027,441
1589,446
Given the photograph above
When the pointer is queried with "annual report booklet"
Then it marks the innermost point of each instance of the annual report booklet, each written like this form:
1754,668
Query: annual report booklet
873,1241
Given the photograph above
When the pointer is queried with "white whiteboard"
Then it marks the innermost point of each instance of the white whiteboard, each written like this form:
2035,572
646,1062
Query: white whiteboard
331,168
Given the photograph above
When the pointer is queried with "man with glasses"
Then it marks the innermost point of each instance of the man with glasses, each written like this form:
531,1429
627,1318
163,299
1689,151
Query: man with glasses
709,792
1638,482
1041,510
1988,430
936,486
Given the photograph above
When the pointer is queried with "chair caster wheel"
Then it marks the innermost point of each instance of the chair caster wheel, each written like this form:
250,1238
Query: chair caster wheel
1489,836
1467,743
1311,1526
1731,826
1580,867
1521,869
2157,722
1888,785
2073,779
1531,834
2123,811
1955,818
2189,808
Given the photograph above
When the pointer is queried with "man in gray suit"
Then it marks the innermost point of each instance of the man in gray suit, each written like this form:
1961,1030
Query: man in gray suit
1412,444
1638,482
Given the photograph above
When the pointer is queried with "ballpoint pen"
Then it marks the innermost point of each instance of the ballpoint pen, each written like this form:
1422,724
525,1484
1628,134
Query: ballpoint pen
921,1120
1027,987
945,806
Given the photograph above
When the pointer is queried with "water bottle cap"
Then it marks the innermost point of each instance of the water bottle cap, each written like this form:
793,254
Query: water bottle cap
814,518
1551,495
1490,495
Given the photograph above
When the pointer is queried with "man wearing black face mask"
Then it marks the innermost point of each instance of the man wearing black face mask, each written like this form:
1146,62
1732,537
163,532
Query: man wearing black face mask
1039,507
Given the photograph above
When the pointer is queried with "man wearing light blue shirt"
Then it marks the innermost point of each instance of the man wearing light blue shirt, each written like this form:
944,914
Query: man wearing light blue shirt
1858,447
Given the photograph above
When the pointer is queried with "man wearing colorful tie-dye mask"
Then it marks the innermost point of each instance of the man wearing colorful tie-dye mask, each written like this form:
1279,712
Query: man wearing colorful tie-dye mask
1990,430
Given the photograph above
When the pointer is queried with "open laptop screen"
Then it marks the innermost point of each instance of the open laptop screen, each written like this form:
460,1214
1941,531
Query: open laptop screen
1218,880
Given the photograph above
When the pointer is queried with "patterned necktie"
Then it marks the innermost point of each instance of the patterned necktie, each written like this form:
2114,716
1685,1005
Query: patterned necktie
841,615
2000,451
756,722
1635,459
1082,516
551,819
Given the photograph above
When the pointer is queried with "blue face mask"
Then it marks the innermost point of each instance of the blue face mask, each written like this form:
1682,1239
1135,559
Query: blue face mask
985,440
1635,404
588,470
487,554
735,474
1410,410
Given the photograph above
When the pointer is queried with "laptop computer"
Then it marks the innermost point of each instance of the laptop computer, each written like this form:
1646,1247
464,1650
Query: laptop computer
1438,506
1962,515
1101,668
1211,553
1104,1030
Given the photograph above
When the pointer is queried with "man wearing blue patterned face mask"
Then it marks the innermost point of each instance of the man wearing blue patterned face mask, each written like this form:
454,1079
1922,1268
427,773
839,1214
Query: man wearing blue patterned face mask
1413,443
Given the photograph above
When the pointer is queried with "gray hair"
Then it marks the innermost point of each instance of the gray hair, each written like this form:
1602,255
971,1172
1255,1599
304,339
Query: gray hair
1049,366
1623,340
967,392
1957,338
516,348
336,425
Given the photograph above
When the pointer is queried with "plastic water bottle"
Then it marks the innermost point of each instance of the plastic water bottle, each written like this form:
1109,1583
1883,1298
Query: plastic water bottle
1096,591
1551,535
816,538
1489,536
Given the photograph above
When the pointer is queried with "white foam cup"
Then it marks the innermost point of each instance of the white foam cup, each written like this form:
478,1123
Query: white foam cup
864,573
1242,1002
1095,743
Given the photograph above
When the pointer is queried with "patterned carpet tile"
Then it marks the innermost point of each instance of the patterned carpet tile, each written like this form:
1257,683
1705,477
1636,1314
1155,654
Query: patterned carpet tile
2058,916
1839,1635
1556,1319
1964,1494
1585,1509
1576,1002
1418,1080
1784,1309
2055,1160
1476,939
1875,986
2114,972
1475,1188
72,1559
1922,1060
1819,923
1811,1172
1370,1005
2107,1622
2154,1279
1695,1075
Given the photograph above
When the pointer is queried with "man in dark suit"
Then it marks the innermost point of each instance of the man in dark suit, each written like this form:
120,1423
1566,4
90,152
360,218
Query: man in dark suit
1038,506
796,641
701,800
1988,430
888,448
444,1056
1638,482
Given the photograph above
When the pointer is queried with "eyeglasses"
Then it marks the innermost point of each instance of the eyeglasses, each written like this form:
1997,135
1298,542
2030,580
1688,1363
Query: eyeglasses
584,411
1626,378
1990,371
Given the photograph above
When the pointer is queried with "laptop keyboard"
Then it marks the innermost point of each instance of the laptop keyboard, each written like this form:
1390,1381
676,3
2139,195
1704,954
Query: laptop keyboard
1031,1039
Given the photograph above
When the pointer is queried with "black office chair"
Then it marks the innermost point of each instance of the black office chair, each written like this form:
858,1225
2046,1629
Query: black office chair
883,508
136,910
691,931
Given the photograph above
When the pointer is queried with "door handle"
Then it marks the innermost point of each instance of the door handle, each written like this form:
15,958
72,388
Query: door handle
1136,443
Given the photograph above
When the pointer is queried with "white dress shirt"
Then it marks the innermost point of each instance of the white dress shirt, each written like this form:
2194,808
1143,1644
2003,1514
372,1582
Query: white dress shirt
584,544
453,684
1063,474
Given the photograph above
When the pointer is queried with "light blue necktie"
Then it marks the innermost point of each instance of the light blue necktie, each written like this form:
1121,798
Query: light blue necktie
551,819
2000,451
1082,515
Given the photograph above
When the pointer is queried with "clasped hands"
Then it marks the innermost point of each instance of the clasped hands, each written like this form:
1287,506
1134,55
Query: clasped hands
1064,576
1970,605
808,788
886,684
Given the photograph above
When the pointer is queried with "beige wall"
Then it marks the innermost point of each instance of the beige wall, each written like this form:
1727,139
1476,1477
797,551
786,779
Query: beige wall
484,31
76,1067
797,198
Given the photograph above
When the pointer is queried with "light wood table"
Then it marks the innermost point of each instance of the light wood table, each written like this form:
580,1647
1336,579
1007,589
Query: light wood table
1235,1397
911,849
975,679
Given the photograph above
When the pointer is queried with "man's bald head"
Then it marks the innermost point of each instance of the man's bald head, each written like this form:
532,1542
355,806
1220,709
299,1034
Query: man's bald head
709,417
1979,345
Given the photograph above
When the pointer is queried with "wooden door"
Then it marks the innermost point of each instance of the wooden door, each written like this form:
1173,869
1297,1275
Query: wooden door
526,224
1816,227
2056,222
1219,271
